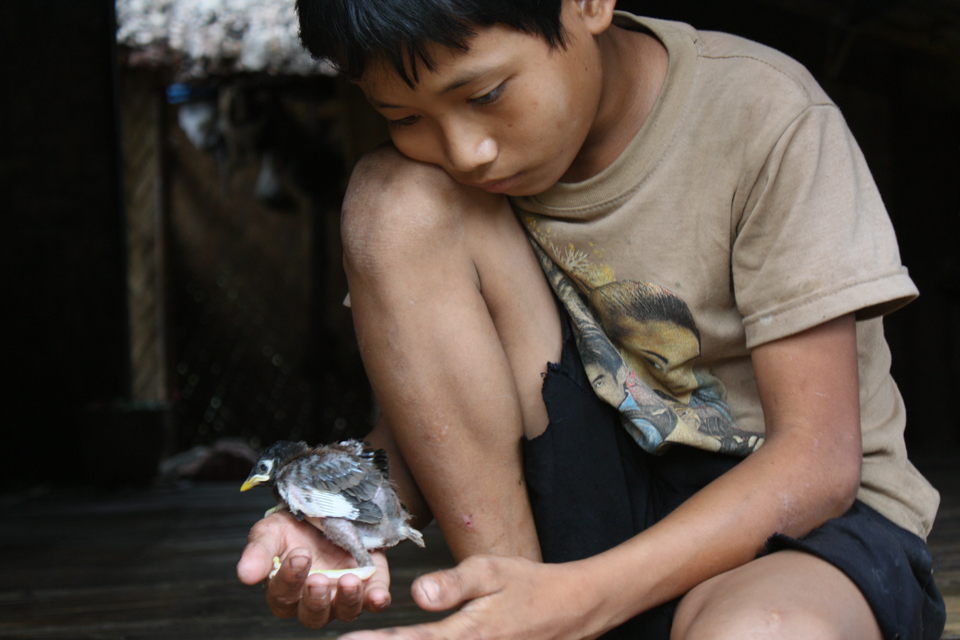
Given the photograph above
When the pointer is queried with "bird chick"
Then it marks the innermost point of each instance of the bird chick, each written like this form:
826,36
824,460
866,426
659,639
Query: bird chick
343,489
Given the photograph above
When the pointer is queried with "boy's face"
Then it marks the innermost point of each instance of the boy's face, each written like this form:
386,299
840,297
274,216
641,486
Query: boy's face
509,115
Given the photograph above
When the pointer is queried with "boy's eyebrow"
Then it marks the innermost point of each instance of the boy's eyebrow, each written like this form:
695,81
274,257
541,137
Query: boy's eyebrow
467,77
461,81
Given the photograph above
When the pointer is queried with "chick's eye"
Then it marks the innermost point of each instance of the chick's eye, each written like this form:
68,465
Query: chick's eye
262,466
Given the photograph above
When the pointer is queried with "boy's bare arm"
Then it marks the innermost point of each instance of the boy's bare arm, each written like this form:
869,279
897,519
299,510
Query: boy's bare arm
807,472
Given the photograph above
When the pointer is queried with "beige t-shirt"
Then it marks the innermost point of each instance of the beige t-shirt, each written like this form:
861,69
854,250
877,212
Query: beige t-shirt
742,212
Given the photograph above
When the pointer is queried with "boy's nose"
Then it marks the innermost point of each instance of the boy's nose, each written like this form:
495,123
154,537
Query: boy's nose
468,150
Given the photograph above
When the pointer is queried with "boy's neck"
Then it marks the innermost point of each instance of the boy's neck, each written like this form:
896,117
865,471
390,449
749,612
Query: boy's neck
634,67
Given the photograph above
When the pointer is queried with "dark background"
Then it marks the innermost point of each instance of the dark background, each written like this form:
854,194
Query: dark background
893,67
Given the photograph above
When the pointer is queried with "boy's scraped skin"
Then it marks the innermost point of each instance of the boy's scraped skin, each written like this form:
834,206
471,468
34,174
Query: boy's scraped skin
456,357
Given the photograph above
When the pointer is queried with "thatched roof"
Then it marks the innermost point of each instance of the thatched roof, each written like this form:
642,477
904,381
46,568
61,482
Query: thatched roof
202,38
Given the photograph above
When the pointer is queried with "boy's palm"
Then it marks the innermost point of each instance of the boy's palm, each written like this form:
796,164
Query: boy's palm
315,599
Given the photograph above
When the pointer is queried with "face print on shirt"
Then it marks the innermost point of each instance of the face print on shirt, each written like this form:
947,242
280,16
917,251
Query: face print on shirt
639,344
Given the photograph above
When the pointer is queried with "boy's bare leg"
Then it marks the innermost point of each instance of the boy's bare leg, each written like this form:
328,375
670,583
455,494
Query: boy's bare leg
788,594
455,323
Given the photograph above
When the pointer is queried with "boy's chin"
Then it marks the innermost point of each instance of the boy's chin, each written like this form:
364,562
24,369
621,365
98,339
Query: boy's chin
524,185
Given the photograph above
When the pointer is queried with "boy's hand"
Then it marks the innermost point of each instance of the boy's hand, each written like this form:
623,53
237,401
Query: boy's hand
500,598
314,599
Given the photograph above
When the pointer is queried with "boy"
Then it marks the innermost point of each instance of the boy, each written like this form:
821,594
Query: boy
717,449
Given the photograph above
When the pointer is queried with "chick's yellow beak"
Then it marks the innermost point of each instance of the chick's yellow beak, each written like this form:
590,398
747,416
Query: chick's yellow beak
253,481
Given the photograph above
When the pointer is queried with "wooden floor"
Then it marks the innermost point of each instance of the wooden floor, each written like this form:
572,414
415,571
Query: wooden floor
944,540
160,564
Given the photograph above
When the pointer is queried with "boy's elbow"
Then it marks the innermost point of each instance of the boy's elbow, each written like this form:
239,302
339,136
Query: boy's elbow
844,485
832,484
840,466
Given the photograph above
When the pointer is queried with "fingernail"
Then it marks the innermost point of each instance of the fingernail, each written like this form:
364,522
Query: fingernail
317,593
431,589
299,565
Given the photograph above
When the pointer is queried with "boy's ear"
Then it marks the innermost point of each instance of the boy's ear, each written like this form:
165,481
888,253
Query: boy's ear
596,14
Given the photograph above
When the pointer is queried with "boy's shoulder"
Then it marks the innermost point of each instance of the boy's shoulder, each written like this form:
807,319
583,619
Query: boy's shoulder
733,61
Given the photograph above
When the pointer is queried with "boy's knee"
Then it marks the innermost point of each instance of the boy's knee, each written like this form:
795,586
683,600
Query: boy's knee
395,208
759,622
384,179
738,605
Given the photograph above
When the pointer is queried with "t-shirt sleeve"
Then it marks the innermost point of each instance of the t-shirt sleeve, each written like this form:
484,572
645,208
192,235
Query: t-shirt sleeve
815,241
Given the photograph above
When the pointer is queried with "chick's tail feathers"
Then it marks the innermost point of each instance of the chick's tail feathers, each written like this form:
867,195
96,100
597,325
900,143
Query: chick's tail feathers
413,535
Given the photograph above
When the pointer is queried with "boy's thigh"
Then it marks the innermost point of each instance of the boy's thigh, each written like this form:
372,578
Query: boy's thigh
788,594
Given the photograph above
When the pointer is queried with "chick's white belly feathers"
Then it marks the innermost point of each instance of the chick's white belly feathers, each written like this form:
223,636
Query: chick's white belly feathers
317,504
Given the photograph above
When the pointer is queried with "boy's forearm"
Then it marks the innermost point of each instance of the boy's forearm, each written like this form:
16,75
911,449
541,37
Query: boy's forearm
722,527
806,473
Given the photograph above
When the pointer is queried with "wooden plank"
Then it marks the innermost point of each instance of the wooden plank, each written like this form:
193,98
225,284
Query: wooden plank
161,563
156,564
952,630
944,540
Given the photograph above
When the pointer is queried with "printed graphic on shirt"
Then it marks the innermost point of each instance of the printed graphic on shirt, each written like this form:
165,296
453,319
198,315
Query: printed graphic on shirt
638,343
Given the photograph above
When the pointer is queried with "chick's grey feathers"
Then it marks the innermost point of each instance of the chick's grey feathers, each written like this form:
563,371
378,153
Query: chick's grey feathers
338,481
343,489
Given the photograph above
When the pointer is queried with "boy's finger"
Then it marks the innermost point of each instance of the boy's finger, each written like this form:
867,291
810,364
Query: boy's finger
419,632
314,610
349,600
447,629
263,545
376,593
255,563
447,589
284,589
376,597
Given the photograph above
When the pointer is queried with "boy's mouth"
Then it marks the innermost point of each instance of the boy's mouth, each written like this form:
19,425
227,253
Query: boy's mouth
499,186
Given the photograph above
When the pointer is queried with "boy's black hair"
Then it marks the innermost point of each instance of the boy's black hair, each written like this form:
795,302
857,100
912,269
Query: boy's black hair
352,33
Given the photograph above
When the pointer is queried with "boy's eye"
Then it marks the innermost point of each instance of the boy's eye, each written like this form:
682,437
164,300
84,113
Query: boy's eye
490,97
403,122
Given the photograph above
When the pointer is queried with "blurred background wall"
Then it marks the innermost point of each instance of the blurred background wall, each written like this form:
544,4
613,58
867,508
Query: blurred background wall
164,289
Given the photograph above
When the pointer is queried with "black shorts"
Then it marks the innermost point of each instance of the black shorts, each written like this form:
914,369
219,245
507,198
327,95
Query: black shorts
592,487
